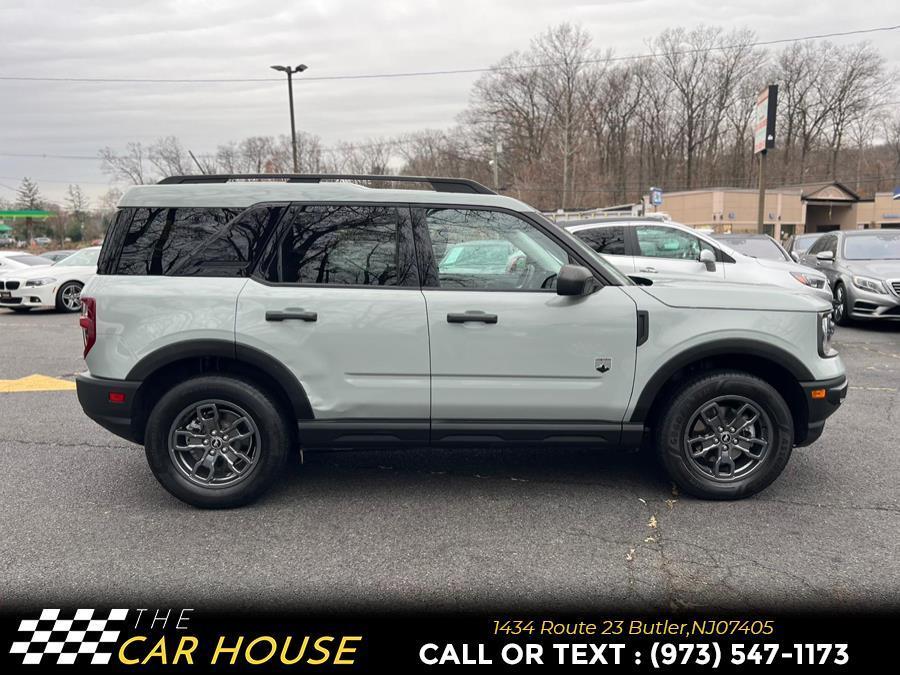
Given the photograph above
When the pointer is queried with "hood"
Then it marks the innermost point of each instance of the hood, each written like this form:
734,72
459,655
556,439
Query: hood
725,295
880,269
786,266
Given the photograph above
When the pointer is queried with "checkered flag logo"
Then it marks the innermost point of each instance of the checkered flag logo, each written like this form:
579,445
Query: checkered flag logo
65,640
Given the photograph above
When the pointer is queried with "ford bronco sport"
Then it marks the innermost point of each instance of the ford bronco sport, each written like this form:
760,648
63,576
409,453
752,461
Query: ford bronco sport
237,319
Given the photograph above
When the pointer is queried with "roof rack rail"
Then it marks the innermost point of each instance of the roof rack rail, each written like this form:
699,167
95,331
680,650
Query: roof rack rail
438,184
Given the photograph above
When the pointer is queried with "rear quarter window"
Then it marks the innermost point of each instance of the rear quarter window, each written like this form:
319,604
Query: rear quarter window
161,239
187,241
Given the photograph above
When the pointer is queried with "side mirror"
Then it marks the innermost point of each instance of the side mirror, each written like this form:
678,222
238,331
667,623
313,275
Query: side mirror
825,256
575,280
794,256
708,258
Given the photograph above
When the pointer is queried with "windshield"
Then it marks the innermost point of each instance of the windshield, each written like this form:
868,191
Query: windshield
84,258
757,247
872,246
28,259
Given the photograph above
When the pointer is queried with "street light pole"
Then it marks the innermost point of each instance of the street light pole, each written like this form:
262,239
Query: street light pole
290,70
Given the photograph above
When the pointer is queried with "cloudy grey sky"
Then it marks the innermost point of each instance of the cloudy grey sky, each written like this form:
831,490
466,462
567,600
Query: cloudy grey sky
240,39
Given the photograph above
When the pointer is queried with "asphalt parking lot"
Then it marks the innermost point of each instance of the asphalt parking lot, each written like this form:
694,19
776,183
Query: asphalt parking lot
83,518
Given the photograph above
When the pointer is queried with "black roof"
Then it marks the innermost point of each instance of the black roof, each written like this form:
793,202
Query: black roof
439,184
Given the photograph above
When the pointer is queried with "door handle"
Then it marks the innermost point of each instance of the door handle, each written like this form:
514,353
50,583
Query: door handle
292,314
650,270
471,316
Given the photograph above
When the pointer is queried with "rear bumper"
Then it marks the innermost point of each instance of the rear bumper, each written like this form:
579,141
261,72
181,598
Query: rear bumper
820,409
94,395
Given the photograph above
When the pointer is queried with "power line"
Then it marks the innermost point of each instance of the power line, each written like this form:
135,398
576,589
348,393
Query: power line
431,73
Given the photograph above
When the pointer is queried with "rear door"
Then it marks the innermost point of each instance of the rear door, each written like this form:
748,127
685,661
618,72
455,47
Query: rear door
508,354
336,299
610,241
668,252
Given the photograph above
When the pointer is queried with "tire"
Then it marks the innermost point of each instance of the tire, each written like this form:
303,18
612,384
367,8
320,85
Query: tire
683,420
68,297
175,421
842,308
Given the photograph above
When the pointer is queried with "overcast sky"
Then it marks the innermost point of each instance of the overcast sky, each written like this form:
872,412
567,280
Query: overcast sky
240,39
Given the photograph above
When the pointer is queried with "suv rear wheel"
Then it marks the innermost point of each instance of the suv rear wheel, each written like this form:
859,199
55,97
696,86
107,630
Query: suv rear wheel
726,435
216,441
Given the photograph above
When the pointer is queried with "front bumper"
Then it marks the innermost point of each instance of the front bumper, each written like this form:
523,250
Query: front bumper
32,296
94,397
821,407
865,305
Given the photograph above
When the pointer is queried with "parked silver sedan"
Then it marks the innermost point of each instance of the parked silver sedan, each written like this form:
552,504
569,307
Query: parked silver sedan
863,267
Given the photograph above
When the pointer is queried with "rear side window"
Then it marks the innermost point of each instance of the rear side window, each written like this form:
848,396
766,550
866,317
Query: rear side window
339,245
232,251
605,240
159,240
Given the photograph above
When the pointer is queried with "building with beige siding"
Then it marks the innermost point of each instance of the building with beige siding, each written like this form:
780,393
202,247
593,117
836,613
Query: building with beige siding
818,207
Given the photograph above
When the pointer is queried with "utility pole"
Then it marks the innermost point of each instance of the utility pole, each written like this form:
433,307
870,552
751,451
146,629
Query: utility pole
290,70
761,210
495,163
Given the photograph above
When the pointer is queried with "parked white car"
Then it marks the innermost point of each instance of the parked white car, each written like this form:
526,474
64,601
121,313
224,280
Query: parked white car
14,261
58,285
653,249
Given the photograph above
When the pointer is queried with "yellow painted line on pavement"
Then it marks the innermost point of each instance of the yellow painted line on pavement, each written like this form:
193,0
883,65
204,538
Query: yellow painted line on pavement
35,383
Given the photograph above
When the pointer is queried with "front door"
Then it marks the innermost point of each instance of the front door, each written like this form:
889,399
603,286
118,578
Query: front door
337,300
511,359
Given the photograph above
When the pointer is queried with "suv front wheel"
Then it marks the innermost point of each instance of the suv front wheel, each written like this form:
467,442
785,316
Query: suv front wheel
726,435
216,441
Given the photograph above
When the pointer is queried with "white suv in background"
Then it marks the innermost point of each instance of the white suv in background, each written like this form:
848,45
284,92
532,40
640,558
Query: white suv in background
655,249
237,319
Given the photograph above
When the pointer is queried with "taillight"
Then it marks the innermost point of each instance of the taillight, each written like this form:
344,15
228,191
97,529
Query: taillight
88,322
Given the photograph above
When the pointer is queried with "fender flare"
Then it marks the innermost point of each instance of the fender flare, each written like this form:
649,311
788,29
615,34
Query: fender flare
755,348
239,353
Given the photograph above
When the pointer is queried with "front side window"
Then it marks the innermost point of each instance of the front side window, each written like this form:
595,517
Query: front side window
491,250
339,245
655,241
820,245
606,240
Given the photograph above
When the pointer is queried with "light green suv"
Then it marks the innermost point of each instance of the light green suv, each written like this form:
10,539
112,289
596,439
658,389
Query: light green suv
237,319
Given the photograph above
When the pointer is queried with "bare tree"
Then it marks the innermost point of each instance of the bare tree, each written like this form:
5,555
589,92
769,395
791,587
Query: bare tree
129,166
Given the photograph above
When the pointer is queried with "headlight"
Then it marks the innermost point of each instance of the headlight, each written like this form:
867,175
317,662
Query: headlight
43,281
867,284
826,330
809,279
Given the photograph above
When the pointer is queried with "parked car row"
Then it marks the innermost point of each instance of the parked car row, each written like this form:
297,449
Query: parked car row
647,250
858,270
